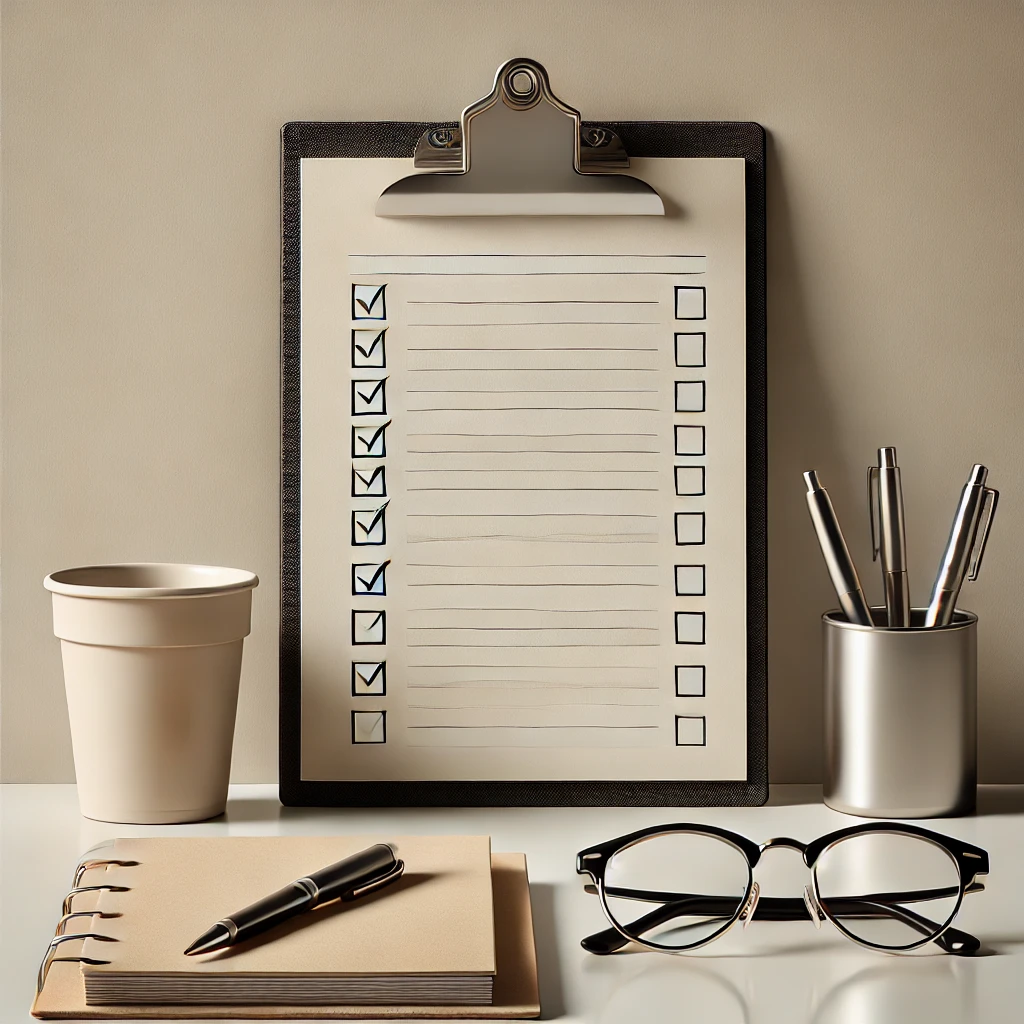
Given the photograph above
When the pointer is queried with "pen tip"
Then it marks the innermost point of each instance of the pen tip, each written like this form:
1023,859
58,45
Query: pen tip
211,940
811,479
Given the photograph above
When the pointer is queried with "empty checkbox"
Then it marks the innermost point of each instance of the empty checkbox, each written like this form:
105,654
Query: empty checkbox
689,396
689,480
690,528
690,441
690,303
690,581
689,627
691,349
690,680
691,731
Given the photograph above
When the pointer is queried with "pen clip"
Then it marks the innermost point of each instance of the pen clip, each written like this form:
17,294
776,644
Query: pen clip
985,517
872,511
392,875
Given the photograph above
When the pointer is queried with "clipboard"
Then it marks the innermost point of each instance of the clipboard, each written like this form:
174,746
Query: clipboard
590,181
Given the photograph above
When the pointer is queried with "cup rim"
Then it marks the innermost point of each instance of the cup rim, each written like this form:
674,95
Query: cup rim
962,619
184,579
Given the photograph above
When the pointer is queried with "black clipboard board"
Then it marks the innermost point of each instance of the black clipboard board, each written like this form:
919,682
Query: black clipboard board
671,139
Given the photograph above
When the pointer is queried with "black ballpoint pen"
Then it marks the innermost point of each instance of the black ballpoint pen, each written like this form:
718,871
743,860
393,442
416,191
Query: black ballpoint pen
355,876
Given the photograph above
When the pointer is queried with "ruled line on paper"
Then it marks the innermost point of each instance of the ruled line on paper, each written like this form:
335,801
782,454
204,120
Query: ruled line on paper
529,515
505,726
532,585
523,265
532,302
435,434
547,348
544,323
530,369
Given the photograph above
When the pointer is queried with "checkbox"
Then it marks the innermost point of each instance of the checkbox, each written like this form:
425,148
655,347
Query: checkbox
369,483
690,303
690,581
369,627
368,397
368,302
369,727
689,527
690,680
370,578
369,526
691,731
689,627
689,480
368,442
690,396
369,678
690,441
368,348
691,349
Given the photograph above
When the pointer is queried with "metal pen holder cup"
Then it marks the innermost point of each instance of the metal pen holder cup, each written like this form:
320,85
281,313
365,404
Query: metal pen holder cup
901,716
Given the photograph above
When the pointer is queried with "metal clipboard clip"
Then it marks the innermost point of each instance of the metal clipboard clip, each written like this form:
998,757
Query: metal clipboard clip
61,935
520,151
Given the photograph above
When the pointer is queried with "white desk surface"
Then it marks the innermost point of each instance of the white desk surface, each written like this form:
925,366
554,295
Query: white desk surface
773,971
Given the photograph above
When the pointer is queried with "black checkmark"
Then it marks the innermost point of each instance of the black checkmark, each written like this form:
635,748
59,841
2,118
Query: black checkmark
369,444
368,481
373,394
373,302
378,516
363,403
368,680
374,624
366,352
369,584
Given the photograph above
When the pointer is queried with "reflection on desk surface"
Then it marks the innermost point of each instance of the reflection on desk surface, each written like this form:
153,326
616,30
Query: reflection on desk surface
935,989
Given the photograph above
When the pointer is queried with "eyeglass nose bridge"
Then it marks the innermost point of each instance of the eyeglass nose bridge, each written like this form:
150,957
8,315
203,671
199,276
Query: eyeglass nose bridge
784,842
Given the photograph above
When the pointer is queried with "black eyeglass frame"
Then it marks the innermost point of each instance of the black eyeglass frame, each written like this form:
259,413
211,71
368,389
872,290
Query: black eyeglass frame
970,861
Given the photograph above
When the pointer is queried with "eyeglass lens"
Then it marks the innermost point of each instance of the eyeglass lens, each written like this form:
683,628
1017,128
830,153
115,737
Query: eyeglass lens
676,890
890,890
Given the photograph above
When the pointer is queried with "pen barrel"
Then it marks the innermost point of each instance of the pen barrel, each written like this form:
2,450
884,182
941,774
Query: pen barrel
288,901
956,556
893,533
840,565
897,598
940,610
337,880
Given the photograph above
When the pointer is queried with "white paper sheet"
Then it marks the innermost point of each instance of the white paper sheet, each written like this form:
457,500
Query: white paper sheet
523,497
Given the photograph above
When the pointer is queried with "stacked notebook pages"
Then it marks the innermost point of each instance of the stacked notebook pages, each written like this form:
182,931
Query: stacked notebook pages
452,938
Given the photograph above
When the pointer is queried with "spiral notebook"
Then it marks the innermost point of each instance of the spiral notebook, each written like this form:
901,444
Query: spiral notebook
453,938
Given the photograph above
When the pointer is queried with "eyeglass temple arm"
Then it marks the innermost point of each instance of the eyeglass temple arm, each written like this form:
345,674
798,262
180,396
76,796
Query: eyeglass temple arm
769,908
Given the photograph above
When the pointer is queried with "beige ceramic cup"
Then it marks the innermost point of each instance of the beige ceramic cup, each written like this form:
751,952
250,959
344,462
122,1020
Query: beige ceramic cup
152,655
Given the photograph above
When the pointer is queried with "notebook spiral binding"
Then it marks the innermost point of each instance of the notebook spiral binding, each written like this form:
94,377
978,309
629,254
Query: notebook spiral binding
68,913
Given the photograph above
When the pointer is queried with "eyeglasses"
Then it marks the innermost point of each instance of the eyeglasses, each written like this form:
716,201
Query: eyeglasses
890,887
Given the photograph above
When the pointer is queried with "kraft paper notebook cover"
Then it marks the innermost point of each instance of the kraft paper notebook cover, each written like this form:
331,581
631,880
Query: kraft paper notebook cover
443,920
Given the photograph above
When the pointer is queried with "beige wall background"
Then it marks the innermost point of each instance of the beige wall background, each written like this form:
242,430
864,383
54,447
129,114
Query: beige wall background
140,285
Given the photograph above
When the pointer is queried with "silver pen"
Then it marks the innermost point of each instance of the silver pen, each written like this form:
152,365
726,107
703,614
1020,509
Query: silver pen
965,547
889,539
837,555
